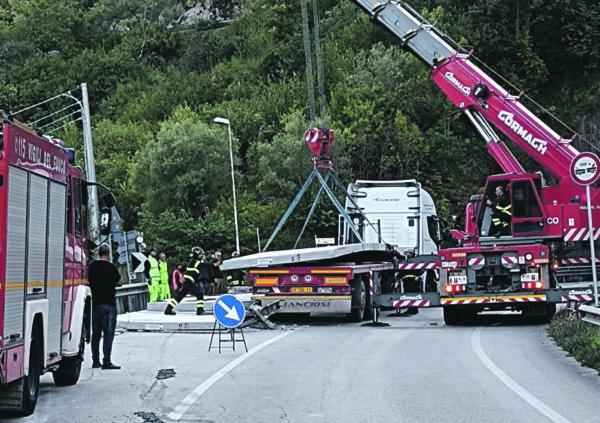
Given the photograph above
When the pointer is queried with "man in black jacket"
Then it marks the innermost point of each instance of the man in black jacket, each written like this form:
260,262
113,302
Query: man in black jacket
218,275
103,278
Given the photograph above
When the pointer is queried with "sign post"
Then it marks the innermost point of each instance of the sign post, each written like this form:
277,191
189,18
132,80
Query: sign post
585,170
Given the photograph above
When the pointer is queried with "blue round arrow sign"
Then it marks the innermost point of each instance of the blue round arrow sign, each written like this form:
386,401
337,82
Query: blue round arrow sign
229,311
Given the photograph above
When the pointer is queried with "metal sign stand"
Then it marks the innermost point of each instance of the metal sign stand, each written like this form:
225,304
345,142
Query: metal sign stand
229,315
229,339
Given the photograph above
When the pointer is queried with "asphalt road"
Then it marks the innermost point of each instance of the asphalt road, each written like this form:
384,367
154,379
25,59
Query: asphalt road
327,370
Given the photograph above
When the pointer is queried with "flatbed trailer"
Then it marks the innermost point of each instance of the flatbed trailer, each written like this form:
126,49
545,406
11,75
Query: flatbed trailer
357,278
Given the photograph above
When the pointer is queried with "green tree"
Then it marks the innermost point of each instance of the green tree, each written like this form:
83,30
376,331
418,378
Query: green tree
115,147
186,167
53,26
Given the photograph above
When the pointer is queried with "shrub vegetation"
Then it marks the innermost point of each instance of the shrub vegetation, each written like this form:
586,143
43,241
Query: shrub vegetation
576,337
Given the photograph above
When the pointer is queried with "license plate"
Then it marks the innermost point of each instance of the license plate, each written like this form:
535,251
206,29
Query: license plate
302,290
529,277
459,280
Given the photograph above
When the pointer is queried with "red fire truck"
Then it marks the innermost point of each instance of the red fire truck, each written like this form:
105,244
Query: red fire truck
45,303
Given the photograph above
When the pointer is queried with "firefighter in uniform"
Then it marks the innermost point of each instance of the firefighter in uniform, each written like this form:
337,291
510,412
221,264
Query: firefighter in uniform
501,213
235,277
164,291
198,272
152,273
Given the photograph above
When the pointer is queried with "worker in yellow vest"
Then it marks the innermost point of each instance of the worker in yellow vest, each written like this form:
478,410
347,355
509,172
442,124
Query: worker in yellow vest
152,273
164,293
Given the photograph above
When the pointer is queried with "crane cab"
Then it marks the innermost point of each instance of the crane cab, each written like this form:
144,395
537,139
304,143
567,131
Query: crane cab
522,212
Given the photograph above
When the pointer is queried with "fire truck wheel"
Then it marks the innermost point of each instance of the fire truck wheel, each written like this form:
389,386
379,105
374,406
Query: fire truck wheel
359,300
69,368
31,382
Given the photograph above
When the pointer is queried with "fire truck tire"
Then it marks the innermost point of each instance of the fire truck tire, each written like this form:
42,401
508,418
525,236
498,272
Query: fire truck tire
359,300
69,368
31,382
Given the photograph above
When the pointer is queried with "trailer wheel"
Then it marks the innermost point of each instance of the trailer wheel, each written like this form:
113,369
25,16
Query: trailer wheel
359,300
69,368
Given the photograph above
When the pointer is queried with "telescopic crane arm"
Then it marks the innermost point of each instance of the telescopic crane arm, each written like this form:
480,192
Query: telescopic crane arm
482,100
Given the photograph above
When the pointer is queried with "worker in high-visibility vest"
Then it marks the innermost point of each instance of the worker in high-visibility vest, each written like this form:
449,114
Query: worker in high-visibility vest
164,291
152,273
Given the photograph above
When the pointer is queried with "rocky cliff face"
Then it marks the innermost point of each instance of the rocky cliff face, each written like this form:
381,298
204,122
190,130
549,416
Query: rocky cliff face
209,9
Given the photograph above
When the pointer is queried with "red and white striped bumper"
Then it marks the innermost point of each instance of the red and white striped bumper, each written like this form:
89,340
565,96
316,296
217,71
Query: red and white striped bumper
493,299
416,266
411,303
580,234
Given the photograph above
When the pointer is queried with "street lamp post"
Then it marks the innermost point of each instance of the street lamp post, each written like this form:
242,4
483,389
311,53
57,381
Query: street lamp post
223,121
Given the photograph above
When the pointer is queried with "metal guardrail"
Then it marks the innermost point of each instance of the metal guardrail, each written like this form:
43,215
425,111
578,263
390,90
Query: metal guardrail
590,314
132,297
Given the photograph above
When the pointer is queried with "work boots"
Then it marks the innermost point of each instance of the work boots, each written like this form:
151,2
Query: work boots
172,304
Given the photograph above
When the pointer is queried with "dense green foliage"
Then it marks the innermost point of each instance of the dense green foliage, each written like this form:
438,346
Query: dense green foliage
158,78
576,337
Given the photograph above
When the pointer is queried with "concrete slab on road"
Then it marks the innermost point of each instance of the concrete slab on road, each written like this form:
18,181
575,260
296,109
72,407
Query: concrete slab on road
153,318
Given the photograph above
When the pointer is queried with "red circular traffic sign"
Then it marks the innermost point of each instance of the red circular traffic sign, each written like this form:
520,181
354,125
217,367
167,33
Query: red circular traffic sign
585,168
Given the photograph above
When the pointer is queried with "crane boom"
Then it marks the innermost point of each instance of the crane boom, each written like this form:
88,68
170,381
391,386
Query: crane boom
482,100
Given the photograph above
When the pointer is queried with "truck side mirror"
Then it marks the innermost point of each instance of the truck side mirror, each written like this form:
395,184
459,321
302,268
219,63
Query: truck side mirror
105,220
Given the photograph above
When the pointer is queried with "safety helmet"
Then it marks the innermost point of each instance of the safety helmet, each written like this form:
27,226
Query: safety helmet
197,252
235,254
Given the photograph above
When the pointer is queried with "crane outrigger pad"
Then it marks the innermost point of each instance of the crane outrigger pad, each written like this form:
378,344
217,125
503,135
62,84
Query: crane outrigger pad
338,253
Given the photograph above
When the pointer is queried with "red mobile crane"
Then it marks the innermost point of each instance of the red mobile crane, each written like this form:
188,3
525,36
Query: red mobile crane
546,257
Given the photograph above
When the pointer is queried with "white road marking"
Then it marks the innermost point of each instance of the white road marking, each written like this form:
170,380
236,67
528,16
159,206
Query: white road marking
511,383
192,397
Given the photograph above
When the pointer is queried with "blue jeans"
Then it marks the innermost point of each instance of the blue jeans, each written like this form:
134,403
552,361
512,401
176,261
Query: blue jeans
104,320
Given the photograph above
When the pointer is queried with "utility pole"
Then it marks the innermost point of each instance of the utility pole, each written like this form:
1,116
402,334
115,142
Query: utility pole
90,169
